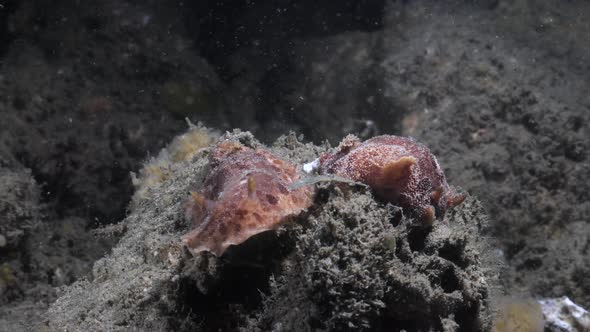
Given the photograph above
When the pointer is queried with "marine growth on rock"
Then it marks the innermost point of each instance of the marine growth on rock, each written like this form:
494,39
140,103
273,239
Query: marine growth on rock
247,191
399,170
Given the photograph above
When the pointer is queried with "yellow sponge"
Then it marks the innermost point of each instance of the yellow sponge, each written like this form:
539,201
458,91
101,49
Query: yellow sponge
516,315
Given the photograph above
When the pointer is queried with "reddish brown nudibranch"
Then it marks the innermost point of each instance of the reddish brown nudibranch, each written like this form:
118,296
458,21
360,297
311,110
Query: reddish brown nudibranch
400,170
246,192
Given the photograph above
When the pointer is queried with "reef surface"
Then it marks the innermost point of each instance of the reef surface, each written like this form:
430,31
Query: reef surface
349,262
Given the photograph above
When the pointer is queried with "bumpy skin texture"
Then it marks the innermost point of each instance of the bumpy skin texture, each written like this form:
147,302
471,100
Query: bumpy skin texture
400,170
246,193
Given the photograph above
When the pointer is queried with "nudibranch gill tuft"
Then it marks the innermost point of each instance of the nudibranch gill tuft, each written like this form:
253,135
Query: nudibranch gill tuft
400,170
246,192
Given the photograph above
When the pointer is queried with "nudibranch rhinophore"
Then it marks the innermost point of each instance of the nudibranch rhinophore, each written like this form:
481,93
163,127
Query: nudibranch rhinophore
246,192
399,170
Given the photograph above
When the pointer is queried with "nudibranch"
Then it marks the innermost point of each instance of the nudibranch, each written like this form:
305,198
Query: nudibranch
246,192
399,170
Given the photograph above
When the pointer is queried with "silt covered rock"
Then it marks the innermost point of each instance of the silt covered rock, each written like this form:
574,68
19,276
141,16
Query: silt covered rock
348,262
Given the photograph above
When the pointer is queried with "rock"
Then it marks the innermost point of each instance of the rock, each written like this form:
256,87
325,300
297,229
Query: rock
348,263
563,315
